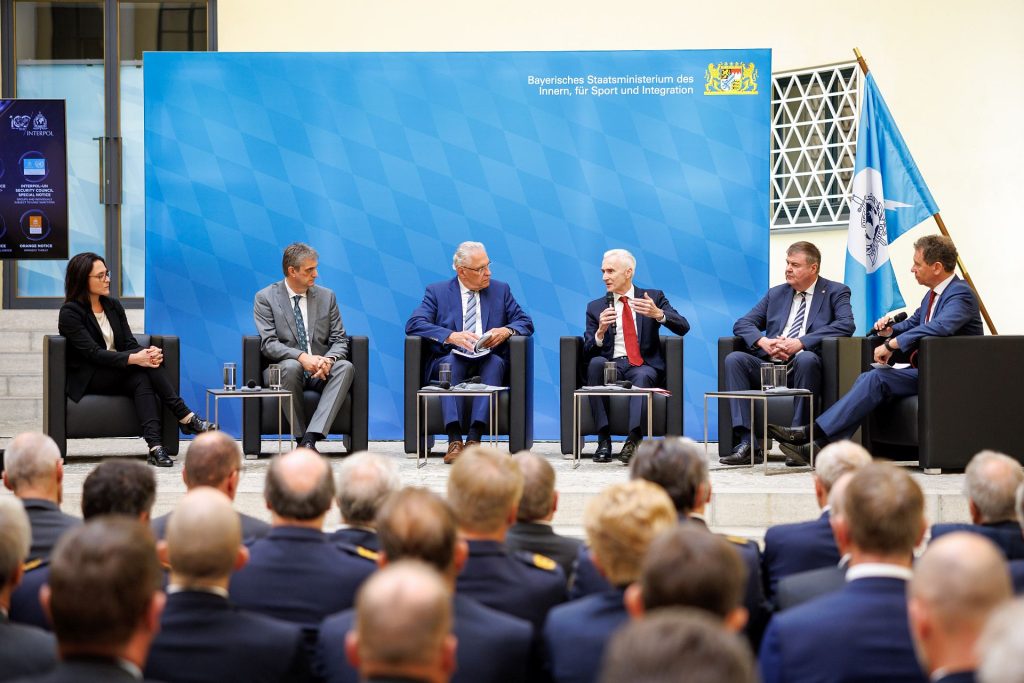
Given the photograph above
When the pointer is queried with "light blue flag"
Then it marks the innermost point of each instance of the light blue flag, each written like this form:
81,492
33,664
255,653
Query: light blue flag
888,198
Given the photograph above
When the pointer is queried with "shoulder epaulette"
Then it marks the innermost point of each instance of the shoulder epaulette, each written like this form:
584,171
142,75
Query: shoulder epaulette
33,564
738,540
537,560
359,551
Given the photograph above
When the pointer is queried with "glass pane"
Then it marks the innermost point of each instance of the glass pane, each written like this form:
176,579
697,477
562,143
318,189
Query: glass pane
161,26
60,55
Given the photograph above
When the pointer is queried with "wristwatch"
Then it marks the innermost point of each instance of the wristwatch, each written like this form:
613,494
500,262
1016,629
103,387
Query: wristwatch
886,344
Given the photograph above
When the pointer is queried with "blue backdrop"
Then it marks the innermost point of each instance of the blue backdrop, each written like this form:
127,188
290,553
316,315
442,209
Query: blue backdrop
384,162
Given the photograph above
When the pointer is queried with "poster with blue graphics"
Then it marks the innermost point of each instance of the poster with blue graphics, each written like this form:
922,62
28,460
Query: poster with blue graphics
385,162
33,180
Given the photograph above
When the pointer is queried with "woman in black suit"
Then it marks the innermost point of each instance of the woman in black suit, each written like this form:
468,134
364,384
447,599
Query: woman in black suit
103,356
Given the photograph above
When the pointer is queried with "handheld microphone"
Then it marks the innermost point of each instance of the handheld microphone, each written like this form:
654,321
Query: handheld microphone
443,385
252,386
475,379
609,299
625,384
898,318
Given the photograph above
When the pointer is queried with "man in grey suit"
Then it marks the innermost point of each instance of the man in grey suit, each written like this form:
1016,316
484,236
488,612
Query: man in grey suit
300,329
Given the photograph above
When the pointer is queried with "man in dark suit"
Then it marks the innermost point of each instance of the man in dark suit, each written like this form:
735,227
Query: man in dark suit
484,489
453,316
615,334
214,459
24,650
620,522
532,531
417,524
949,309
861,632
300,329
105,601
958,583
803,546
786,326
991,481
202,636
365,480
295,573
34,472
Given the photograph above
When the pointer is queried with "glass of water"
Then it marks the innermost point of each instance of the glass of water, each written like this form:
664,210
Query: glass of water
767,376
230,374
611,373
444,372
274,377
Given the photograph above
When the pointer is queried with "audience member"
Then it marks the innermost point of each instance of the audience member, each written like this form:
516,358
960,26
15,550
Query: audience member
214,459
860,632
532,531
417,524
1000,645
957,584
24,650
794,548
484,489
202,637
676,645
990,485
364,482
403,626
1017,566
34,472
295,573
620,523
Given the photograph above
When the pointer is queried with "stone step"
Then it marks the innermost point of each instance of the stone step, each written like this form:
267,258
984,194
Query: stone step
21,363
21,386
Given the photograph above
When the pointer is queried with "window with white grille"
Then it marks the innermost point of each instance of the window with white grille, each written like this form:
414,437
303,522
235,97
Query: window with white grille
814,145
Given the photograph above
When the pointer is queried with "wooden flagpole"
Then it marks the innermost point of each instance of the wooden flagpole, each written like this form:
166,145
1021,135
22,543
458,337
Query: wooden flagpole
942,228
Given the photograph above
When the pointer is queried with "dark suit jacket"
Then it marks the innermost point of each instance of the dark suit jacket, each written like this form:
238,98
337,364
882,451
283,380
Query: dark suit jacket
85,670
204,639
797,589
48,524
648,329
86,348
25,650
575,635
274,315
252,529
1017,576
953,313
25,606
493,647
357,537
298,575
794,548
534,537
440,314
830,316
1006,535
859,633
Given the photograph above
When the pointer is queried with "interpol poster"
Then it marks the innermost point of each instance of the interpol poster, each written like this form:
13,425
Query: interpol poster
33,180
384,162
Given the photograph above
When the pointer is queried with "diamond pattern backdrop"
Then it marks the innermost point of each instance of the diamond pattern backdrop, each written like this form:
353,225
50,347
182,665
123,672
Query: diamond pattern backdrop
385,162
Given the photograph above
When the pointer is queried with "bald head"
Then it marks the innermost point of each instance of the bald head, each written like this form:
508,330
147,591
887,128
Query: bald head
32,466
212,460
203,536
299,486
990,483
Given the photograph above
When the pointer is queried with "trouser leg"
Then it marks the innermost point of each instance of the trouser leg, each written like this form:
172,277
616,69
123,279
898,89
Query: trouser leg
742,371
867,393
293,381
640,376
598,404
332,394
804,373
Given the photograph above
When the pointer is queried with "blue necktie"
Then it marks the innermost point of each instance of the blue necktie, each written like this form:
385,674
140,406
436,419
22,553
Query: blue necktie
798,321
469,323
300,325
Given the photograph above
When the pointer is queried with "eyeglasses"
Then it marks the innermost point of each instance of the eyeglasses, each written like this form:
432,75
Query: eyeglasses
101,276
486,266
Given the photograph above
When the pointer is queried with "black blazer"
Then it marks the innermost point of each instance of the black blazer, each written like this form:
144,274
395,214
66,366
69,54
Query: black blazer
86,349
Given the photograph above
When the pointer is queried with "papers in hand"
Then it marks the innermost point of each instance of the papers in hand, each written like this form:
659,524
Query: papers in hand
616,387
478,348
894,366
463,386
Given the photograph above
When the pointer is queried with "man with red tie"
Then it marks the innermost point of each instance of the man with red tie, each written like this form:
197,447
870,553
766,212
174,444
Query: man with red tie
624,327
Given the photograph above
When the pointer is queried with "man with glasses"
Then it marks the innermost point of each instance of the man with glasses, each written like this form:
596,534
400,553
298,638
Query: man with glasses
454,315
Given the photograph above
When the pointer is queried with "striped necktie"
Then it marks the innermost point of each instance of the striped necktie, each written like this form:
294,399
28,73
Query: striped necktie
798,321
469,322
300,325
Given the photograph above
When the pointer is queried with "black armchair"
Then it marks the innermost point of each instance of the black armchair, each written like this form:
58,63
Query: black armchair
515,406
260,417
97,416
668,410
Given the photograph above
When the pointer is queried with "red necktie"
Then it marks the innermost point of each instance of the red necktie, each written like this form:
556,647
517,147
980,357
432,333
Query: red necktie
931,300
629,333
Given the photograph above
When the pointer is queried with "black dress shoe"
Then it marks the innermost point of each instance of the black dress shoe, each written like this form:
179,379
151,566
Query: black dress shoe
196,426
797,455
158,457
603,453
741,455
794,435
628,449
311,445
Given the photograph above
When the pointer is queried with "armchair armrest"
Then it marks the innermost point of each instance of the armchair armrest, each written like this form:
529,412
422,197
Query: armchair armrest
570,378
520,380
55,402
359,393
672,348
413,377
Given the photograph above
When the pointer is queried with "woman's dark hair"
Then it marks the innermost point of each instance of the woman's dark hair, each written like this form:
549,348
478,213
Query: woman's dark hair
76,277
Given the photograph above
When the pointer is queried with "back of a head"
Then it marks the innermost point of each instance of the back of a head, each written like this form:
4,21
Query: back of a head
990,482
364,482
538,487
675,464
415,523
483,488
838,458
212,457
103,575
118,486
689,567
1001,644
675,645
203,536
15,538
620,523
884,509
299,485
403,614
31,459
